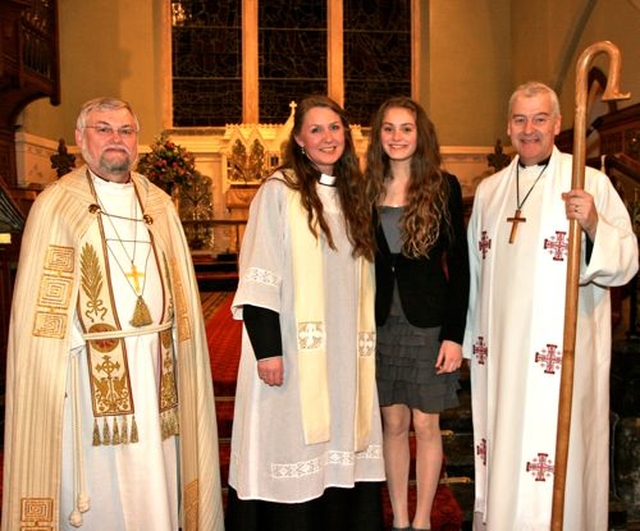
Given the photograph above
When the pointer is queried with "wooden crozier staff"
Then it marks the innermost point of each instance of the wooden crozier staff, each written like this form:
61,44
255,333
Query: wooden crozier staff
573,265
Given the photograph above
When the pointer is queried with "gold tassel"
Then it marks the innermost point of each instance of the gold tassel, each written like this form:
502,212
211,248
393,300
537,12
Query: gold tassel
164,428
96,434
141,314
124,437
169,424
106,434
115,438
134,431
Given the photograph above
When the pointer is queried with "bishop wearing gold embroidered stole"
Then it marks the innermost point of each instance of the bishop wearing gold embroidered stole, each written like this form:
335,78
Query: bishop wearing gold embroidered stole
515,326
110,419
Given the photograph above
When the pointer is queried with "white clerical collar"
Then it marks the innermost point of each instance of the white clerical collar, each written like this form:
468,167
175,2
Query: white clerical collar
327,180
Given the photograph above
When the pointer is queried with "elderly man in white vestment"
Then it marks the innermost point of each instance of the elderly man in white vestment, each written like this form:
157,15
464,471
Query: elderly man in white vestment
110,420
518,237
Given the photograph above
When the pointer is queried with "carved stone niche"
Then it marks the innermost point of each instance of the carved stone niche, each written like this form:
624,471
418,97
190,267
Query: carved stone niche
254,152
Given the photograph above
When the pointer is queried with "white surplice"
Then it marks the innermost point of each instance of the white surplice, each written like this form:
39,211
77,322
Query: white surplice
514,339
269,458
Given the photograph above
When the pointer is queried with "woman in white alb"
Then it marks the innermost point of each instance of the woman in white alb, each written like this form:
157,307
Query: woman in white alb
306,447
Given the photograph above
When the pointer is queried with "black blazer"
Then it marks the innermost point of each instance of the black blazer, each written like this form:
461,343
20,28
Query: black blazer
434,291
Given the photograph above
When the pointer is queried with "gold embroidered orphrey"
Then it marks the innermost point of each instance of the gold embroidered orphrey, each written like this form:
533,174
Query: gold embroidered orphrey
37,514
109,379
141,314
54,293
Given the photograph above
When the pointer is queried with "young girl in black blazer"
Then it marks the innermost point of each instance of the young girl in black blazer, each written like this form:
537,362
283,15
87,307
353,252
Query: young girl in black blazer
422,289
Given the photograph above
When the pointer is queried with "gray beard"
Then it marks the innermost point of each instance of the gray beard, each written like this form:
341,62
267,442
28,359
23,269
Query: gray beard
117,167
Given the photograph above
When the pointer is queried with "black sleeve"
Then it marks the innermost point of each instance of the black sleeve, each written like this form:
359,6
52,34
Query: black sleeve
588,250
263,328
457,263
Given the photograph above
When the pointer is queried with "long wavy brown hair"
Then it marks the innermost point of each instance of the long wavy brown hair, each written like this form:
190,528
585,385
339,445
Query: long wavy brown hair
349,182
426,213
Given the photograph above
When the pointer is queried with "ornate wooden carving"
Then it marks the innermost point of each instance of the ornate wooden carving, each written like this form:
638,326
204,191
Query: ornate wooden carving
498,159
63,161
29,67
620,132
29,70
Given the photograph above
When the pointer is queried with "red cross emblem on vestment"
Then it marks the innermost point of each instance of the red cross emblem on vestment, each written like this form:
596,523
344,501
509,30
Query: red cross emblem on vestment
484,244
480,350
557,245
541,467
550,358
481,450
103,345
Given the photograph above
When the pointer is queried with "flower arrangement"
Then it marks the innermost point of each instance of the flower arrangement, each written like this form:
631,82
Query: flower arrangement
168,164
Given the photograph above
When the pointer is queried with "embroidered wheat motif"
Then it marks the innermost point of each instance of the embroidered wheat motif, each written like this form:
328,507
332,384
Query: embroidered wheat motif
92,281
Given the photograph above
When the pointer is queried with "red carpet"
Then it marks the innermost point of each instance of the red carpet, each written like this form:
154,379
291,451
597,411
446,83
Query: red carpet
223,338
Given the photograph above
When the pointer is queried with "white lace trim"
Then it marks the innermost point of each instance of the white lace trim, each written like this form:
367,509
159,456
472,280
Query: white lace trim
262,276
314,466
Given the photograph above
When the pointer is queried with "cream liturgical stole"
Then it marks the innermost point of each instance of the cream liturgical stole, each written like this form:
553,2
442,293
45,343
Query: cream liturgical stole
312,356
102,258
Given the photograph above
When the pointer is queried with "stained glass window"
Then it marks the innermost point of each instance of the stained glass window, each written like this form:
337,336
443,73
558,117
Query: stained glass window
292,57
377,54
292,54
207,62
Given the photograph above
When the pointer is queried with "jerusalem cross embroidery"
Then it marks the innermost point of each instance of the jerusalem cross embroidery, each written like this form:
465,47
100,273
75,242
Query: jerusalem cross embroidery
541,467
557,245
550,358
480,350
310,335
484,244
366,343
481,450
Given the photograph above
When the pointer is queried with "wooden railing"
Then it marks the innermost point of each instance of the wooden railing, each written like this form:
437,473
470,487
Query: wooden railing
235,225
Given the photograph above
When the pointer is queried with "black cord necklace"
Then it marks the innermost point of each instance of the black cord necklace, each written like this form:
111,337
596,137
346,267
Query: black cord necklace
517,217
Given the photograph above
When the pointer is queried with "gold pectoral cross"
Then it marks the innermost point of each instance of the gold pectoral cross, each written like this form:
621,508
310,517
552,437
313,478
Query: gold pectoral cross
517,218
134,276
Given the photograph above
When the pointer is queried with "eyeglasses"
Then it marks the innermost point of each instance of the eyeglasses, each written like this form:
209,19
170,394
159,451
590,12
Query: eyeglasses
126,131
538,120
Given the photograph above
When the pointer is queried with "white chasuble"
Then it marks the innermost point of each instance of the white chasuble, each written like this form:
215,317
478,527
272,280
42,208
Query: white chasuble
514,339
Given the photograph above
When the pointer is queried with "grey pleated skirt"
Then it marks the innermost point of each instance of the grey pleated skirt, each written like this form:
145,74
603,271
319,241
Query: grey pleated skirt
405,366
